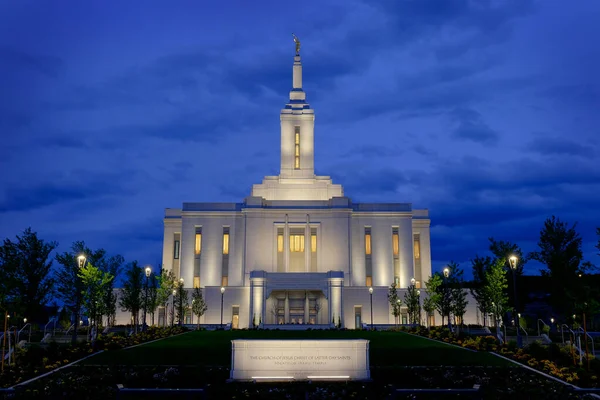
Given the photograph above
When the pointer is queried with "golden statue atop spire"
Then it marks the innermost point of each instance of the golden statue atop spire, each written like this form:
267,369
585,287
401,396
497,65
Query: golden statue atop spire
297,41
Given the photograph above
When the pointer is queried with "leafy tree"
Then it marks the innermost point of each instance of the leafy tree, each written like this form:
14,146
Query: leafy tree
198,304
480,267
131,293
435,295
443,293
458,294
94,282
502,250
26,263
166,284
495,289
428,307
70,286
181,303
108,303
411,299
394,301
560,251
152,295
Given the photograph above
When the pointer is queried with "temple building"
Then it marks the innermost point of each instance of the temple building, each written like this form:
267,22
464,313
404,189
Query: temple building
297,250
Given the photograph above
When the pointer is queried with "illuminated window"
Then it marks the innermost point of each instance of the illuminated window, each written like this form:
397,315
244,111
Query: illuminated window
395,243
296,243
297,148
369,281
367,243
417,248
224,281
225,243
418,284
313,243
176,249
196,282
198,246
280,243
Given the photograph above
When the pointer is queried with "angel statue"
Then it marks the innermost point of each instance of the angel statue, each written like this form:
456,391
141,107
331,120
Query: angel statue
297,41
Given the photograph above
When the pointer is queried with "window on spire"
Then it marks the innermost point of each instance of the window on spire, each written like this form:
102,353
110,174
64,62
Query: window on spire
297,147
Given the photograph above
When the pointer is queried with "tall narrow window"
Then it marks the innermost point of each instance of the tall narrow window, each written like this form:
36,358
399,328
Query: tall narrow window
368,259
176,246
313,249
198,245
176,254
396,255
297,147
280,245
197,256
417,257
225,262
226,241
297,243
297,256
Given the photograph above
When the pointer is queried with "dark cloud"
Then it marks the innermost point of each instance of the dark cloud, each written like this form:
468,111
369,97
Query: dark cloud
549,145
85,185
469,125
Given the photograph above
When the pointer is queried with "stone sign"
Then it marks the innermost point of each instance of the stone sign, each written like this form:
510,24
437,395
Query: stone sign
280,360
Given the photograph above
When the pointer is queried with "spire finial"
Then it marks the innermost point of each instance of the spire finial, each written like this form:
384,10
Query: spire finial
297,41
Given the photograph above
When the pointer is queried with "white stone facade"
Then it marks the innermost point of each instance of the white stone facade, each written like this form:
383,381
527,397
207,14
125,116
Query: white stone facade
297,251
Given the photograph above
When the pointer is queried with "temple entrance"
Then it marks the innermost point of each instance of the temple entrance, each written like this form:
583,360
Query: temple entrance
296,307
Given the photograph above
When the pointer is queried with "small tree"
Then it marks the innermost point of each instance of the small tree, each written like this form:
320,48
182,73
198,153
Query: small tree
198,304
495,290
480,267
131,293
181,303
166,284
411,299
458,295
152,296
429,308
95,283
394,301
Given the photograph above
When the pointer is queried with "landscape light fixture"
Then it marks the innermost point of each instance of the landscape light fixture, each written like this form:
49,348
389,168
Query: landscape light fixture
222,293
81,260
513,260
371,298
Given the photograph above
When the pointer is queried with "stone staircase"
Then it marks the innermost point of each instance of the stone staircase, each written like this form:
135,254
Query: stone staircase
527,340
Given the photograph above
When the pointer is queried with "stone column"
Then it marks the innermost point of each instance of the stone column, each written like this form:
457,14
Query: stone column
286,309
306,308
307,244
286,245
257,297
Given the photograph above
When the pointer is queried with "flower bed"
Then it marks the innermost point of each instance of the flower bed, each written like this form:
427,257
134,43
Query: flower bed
553,360
36,359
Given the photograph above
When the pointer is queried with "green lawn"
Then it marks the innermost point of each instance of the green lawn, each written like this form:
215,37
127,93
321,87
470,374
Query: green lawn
213,348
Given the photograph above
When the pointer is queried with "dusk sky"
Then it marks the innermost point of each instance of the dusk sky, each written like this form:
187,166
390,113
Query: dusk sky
485,112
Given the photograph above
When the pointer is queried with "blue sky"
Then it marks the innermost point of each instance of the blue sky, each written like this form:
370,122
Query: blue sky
485,112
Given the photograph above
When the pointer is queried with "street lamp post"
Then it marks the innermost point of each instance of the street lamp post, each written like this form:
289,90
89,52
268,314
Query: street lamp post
222,293
419,308
173,308
81,259
181,315
148,271
446,275
371,298
413,317
513,266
